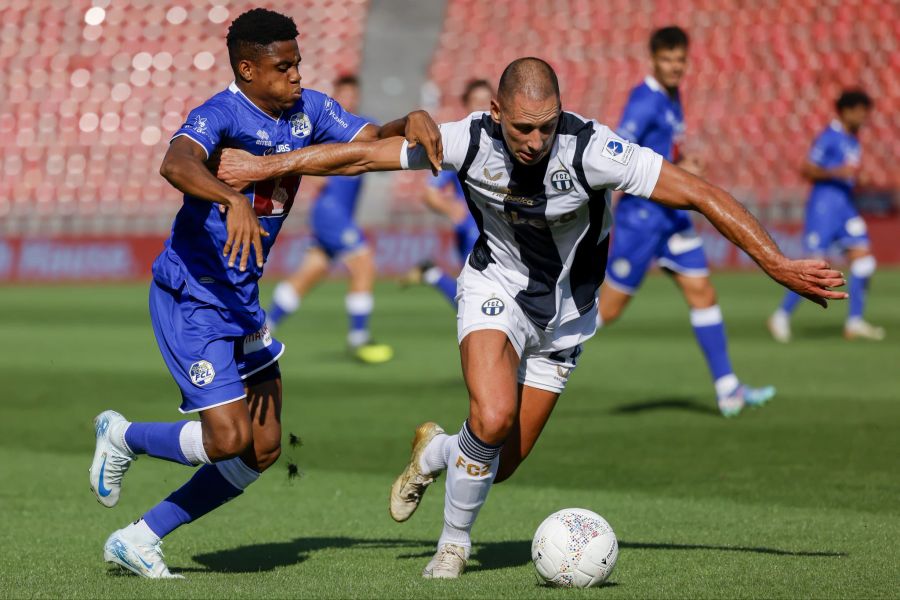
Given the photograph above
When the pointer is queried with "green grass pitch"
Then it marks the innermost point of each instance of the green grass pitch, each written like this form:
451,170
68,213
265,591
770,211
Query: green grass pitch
797,499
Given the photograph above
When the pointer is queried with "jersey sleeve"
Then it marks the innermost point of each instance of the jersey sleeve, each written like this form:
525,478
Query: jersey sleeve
331,123
455,138
207,125
637,117
611,162
821,151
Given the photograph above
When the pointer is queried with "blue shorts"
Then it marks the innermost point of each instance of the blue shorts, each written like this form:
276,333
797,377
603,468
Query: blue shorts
831,219
333,227
466,235
645,232
207,352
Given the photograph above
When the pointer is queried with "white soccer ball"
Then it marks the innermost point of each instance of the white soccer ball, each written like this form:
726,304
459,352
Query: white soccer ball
574,547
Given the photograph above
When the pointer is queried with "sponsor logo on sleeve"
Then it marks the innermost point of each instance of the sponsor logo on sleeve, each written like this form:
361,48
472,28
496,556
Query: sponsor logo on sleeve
618,150
198,124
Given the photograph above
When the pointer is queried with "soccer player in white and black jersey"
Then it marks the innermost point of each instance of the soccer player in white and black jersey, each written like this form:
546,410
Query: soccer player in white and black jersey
537,181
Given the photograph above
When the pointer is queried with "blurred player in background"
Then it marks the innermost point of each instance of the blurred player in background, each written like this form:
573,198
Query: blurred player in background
645,231
833,167
204,297
337,238
445,196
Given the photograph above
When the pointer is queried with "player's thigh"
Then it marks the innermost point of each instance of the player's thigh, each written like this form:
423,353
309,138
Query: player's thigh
535,407
361,264
312,270
489,364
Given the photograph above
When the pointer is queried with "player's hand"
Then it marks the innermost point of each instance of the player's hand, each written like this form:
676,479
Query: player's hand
244,231
812,279
237,168
421,129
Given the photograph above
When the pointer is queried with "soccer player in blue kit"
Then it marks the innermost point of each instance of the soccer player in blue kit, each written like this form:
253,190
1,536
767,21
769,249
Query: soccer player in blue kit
831,219
645,231
204,298
445,196
337,237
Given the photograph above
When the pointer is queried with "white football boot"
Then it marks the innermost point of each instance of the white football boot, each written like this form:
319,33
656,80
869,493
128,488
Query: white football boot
857,329
410,486
140,553
111,457
780,326
449,562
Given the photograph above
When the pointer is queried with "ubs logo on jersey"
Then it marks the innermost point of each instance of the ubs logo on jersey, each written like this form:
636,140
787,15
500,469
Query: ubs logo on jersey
561,181
202,373
493,307
300,126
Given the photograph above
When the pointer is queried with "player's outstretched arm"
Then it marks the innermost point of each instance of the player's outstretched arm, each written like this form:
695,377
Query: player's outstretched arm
238,168
184,167
812,279
418,128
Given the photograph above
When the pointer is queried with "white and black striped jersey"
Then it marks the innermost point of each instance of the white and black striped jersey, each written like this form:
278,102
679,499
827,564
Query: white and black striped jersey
544,228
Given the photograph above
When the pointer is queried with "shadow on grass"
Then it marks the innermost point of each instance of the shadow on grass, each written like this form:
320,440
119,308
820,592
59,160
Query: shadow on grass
487,556
673,403
753,549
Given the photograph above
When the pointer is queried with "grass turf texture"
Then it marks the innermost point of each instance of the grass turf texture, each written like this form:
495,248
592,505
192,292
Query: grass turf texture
798,499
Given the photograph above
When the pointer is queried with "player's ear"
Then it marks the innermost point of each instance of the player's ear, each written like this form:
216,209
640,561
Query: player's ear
245,70
495,110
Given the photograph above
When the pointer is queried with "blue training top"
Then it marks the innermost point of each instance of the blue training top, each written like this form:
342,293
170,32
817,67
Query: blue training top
193,253
834,148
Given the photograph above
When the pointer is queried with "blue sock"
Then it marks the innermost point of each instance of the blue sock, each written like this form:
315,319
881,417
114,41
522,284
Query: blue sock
790,301
710,333
208,489
858,288
160,440
442,282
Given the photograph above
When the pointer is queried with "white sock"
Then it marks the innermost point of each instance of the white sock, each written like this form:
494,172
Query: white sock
726,385
191,440
237,473
781,314
140,532
471,469
434,458
286,297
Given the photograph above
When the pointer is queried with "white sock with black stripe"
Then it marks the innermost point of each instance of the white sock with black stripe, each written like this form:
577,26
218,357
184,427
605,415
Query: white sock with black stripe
471,468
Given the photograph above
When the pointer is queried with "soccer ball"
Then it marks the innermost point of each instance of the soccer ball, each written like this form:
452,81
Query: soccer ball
574,547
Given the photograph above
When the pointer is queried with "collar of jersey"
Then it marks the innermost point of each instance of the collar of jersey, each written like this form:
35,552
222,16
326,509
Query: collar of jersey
234,89
838,126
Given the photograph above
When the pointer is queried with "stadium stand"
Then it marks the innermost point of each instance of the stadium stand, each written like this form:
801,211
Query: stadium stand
761,83
92,90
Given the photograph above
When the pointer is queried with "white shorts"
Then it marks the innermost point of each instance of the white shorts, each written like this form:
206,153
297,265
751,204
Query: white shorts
547,359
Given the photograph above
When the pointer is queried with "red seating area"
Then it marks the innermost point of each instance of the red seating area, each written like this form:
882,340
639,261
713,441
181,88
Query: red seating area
91,92
761,83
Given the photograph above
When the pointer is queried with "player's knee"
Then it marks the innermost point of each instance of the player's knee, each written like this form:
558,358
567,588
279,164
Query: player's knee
267,455
863,266
701,295
229,442
492,425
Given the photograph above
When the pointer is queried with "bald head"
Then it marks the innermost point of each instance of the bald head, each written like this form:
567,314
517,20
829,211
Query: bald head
530,77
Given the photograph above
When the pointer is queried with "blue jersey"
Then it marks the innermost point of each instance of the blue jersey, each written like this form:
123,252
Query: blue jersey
653,119
445,178
193,253
835,147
